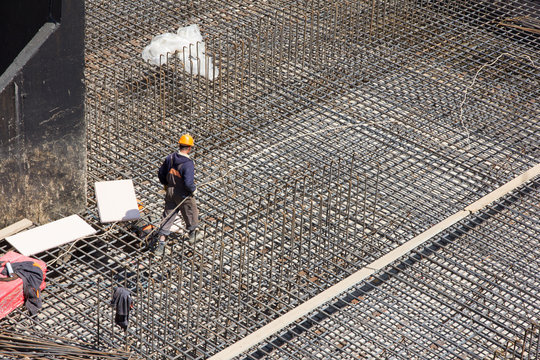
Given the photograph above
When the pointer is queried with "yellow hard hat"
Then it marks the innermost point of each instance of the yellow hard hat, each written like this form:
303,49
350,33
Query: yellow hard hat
186,140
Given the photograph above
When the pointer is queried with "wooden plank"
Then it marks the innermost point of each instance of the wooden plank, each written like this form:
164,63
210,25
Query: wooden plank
417,240
15,228
503,190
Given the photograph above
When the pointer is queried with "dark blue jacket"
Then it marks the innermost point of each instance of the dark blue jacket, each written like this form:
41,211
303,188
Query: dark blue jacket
177,172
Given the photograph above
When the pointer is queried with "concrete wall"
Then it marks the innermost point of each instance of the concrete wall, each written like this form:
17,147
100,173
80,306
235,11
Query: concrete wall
42,127
21,24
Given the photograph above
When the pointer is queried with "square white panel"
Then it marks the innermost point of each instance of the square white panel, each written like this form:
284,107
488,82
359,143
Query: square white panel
116,201
50,235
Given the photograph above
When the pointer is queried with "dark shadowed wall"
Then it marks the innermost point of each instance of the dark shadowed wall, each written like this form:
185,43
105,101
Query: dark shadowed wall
42,128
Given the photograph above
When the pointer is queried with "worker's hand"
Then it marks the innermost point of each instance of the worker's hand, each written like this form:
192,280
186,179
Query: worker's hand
194,192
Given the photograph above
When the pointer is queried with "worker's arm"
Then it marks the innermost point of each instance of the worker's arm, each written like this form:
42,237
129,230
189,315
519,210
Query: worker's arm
188,174
163,170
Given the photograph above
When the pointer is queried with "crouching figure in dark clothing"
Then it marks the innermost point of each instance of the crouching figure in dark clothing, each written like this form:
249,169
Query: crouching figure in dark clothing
177,175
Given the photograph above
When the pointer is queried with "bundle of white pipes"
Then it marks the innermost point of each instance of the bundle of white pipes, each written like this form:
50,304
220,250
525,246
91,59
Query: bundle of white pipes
187,44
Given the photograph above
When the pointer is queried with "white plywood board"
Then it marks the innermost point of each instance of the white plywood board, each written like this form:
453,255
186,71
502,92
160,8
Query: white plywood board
50,235
116,201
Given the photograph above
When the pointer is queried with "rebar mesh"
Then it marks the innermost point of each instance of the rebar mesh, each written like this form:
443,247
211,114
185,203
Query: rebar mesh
473,292
334,133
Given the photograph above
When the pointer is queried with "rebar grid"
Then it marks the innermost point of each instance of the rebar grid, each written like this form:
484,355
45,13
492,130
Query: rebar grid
473,292
334,133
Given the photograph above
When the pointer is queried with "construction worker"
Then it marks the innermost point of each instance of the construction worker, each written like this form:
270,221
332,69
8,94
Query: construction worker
177,175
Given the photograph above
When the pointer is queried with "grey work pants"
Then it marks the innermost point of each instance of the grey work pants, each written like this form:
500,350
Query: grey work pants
189,212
